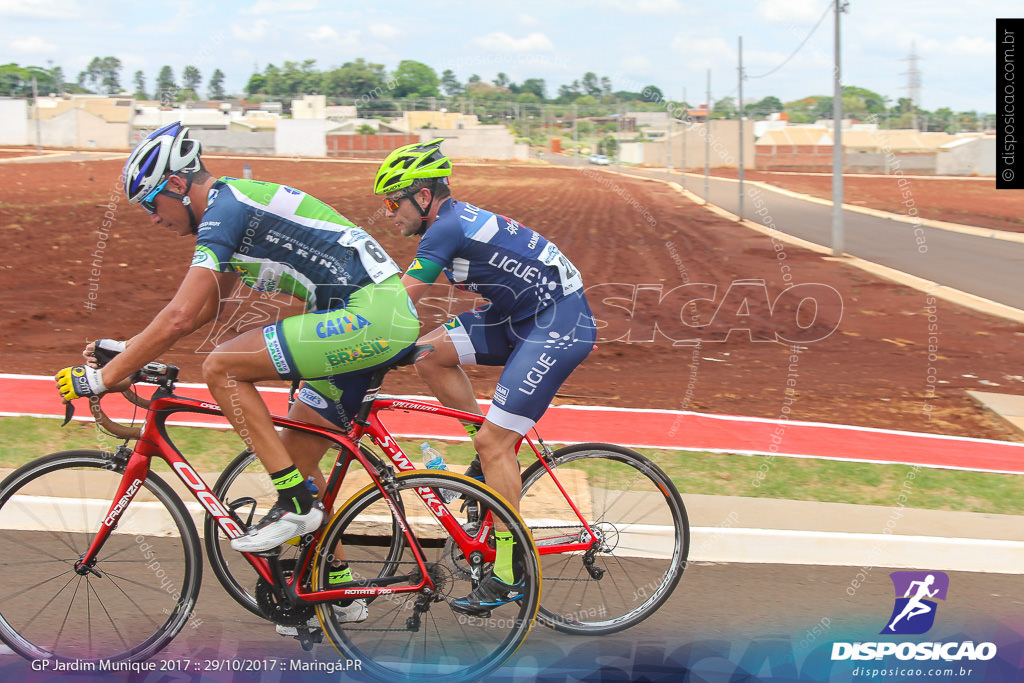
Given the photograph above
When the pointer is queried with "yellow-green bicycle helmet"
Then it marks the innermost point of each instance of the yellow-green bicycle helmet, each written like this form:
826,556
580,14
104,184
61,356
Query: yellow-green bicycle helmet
410,163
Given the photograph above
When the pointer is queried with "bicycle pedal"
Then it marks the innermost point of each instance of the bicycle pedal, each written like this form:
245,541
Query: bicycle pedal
307,639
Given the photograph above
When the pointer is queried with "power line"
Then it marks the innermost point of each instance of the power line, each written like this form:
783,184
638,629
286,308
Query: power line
799,47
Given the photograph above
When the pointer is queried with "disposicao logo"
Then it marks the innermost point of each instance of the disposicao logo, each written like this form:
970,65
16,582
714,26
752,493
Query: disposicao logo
915,607
913,613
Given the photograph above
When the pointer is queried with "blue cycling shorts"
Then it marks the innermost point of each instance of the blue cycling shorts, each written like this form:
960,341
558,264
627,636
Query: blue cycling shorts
538,352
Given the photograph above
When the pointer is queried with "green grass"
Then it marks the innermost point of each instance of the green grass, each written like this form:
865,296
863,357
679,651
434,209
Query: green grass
209,450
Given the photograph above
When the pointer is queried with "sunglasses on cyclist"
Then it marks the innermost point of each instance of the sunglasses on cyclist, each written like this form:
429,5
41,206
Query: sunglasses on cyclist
149,201
392,202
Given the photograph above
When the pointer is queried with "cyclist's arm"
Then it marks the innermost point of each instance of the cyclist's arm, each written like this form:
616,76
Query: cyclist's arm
415,288
194,305
419,277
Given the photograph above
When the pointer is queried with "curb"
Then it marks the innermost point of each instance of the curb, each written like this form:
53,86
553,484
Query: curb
707,544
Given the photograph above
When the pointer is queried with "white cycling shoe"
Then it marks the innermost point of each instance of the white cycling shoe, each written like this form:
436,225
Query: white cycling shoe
277,527
354,613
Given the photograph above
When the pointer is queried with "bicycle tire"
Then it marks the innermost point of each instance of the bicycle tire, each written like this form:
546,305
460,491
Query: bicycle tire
448,645
634,506
50,510
244,477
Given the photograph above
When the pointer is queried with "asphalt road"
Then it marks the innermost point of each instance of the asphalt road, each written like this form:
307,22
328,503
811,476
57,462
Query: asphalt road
776,621
986,267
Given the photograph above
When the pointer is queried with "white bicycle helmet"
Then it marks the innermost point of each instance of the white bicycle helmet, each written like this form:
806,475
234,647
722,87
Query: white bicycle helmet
166,151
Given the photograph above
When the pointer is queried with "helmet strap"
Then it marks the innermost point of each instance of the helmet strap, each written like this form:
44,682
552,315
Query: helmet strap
187,202
425,219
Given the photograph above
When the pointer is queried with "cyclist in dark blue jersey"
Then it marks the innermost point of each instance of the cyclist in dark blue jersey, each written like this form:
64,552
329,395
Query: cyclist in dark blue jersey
274,239
536,324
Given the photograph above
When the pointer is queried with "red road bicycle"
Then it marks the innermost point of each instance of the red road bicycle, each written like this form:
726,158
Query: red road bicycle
104,562
609,524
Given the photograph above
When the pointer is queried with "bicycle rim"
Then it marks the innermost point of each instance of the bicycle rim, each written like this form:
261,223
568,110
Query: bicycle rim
444,643
145,581
644,535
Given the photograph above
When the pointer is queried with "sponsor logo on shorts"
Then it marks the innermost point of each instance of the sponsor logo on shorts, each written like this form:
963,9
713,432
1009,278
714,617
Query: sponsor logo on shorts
357,353
343,325
536,373
312,398
500,394
276,349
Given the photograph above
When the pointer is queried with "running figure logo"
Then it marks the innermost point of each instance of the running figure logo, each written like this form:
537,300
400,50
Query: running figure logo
914,613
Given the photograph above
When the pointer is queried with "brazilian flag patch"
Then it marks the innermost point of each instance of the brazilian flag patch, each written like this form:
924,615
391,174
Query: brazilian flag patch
415,265
452,324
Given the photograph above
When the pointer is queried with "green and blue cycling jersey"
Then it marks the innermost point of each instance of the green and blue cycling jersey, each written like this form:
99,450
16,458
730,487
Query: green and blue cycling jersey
279,239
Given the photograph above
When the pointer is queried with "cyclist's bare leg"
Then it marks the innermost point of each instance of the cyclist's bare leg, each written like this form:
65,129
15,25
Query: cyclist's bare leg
496,447
230,372
307,449
441,371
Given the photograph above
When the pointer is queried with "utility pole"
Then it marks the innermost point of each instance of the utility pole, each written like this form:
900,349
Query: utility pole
837,144
575,136
707,141
39,135
686,132
740,108
668,144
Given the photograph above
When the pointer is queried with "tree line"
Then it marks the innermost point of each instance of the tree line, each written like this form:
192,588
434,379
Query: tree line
374,89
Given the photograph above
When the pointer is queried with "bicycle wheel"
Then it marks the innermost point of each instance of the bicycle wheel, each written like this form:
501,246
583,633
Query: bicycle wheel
634,508
245,486
407,636
136,597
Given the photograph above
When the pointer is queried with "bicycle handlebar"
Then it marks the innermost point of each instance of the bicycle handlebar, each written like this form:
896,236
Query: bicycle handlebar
153,373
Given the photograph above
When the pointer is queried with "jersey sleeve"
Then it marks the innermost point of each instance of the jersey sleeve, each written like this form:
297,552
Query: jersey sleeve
220,234
424,270
438,247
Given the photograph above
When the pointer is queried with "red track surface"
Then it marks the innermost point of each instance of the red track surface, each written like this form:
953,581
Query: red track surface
36,396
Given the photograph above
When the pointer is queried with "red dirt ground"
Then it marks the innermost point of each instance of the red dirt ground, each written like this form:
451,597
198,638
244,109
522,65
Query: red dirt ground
873,370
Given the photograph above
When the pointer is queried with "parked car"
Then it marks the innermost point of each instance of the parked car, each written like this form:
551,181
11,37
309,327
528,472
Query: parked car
599,159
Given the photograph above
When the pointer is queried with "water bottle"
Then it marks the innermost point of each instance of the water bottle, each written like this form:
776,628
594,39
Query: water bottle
312,487
433,460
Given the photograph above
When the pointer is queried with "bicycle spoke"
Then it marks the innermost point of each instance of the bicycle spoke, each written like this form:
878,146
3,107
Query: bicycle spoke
625,499
112,611
22,591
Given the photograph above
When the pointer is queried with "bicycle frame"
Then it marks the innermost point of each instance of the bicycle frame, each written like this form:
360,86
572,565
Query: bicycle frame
154,442
375,429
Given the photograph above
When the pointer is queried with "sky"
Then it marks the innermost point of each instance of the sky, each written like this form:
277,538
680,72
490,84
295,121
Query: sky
668,43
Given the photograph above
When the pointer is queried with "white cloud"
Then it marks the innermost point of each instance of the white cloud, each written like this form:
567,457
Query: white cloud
323,33
645,6
278,6
636,64
253,33
789,11
36,9
33,45
704,53
965,46
503,42
383,31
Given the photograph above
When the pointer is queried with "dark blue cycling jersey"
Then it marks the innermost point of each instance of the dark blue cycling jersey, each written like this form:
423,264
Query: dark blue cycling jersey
505,262
281,239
